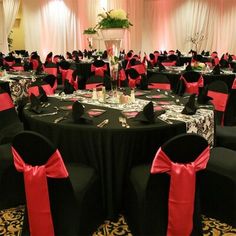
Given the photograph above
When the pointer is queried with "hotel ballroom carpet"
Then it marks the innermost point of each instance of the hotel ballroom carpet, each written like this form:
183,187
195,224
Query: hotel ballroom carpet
11,222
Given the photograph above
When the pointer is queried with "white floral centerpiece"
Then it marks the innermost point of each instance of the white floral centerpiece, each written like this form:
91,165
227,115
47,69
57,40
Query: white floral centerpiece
112,25
115,18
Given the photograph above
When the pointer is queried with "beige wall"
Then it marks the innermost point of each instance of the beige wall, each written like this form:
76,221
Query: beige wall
18,32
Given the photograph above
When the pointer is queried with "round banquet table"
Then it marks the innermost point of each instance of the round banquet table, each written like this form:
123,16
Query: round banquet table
112,150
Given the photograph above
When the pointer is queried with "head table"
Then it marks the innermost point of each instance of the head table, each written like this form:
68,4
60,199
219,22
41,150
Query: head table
113,149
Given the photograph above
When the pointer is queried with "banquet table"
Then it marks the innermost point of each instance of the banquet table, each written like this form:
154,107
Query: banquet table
113,149
174,74
17,83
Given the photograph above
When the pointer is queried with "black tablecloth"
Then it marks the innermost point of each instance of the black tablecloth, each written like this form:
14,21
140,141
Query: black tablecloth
111,150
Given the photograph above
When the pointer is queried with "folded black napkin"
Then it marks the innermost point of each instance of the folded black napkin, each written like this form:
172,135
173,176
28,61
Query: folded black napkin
35,104
78,114
202,96
42,95
189,67
68,87
161,67
148,115
190,107
216,70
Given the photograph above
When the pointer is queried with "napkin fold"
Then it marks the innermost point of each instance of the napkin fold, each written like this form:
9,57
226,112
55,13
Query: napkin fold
78,114
35,104
68,87
42,95
148,115
190,107
202,96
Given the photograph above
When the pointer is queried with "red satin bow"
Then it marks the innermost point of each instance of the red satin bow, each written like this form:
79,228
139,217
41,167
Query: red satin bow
99,71
36,188
192,87
182,190
134,82
6,102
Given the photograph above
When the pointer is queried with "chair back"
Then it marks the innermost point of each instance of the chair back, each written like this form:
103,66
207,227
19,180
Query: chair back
99,67
34,88
172,190
193,81
8,113
49,193
218,90
134,78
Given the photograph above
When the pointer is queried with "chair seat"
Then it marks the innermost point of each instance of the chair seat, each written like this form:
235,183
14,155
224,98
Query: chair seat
86,187
218,190
226,137
5,158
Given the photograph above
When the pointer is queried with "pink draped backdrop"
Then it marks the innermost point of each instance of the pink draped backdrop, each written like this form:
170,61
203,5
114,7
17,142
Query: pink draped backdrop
57,25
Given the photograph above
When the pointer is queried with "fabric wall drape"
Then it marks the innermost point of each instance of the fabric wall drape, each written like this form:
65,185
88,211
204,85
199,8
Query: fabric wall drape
10,9
57,25
2,34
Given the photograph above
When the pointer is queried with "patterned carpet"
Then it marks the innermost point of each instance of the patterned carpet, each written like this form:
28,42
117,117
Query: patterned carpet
11,222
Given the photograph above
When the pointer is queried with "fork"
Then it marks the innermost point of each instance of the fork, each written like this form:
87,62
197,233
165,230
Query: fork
123,122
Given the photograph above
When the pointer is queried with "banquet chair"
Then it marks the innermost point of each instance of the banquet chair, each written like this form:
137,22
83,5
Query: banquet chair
50,68
159,81
218,190
34,64
163,198
99,68
34,88
10,123
134,78
72,78
59,199
192,81
218,91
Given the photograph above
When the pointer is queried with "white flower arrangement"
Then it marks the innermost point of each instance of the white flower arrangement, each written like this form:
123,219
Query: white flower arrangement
115,18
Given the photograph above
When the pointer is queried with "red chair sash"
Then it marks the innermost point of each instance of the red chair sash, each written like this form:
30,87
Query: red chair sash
36,189
51,71
182,190
6,102
140,68
192,87
18,68
99,71
63,74
134,82
234,84
219,100
35,64
35,90
159,86
171,63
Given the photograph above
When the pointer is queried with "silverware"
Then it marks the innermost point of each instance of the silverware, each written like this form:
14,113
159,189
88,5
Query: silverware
100,125
57,120
123,122
47,114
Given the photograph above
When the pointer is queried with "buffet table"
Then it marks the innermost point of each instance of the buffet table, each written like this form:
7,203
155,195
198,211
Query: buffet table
113,149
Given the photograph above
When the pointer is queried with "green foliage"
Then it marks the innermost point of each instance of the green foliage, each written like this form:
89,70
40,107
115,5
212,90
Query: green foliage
90,30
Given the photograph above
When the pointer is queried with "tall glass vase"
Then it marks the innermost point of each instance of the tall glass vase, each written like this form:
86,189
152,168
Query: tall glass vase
113,38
